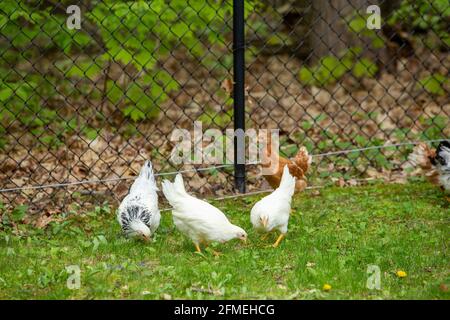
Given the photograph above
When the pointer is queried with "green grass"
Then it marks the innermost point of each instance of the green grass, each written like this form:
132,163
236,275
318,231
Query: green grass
332,238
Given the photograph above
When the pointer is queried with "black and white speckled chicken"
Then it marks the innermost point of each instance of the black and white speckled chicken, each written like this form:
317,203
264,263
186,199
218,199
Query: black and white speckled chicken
138,212
434,163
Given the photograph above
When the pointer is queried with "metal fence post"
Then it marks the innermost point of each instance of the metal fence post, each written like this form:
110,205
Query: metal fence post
238,90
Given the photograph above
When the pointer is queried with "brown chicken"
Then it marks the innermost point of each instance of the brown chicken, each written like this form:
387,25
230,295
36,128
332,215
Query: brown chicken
297,167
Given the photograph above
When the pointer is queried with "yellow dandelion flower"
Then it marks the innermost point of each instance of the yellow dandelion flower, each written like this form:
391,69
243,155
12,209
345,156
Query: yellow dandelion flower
401,274
326,287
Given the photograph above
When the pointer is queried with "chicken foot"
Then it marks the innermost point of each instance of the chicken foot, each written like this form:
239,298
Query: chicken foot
214,252
277,243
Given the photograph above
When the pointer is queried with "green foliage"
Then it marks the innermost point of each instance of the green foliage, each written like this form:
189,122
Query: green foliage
331,69
364,68
426,15
222,119
19,212
139,33
357,23
433,127
433,84
136,35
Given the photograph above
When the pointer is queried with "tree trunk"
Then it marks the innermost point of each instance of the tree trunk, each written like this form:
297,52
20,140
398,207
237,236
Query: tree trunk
317,28
330,34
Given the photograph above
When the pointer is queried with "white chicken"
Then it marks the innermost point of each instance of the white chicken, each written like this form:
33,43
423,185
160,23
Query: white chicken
197,219
138,213
272,212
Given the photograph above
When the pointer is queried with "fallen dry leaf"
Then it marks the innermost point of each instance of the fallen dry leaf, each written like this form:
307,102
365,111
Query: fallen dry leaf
340,182
166,296
227,85
43,221
443,287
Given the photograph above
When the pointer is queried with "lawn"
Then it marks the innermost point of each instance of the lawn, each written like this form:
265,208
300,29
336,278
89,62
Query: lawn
333,237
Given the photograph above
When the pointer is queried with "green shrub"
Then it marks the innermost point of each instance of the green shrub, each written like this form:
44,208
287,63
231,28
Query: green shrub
137,35
433,84
426,15
330,69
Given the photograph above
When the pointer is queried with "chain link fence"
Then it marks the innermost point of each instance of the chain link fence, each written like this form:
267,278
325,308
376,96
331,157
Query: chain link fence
318,73
81,109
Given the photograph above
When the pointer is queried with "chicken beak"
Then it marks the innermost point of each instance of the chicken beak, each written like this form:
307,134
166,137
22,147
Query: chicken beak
264,221
244,240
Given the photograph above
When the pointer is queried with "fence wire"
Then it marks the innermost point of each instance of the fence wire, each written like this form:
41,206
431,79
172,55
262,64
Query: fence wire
343,152
82,109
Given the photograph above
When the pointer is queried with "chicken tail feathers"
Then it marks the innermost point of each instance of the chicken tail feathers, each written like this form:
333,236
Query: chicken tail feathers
145,180
168,191
422,156
174,190
147,172
179,185
303,159
287,183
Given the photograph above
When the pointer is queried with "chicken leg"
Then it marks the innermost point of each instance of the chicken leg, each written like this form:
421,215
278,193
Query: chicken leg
214,252
277,243
197,248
